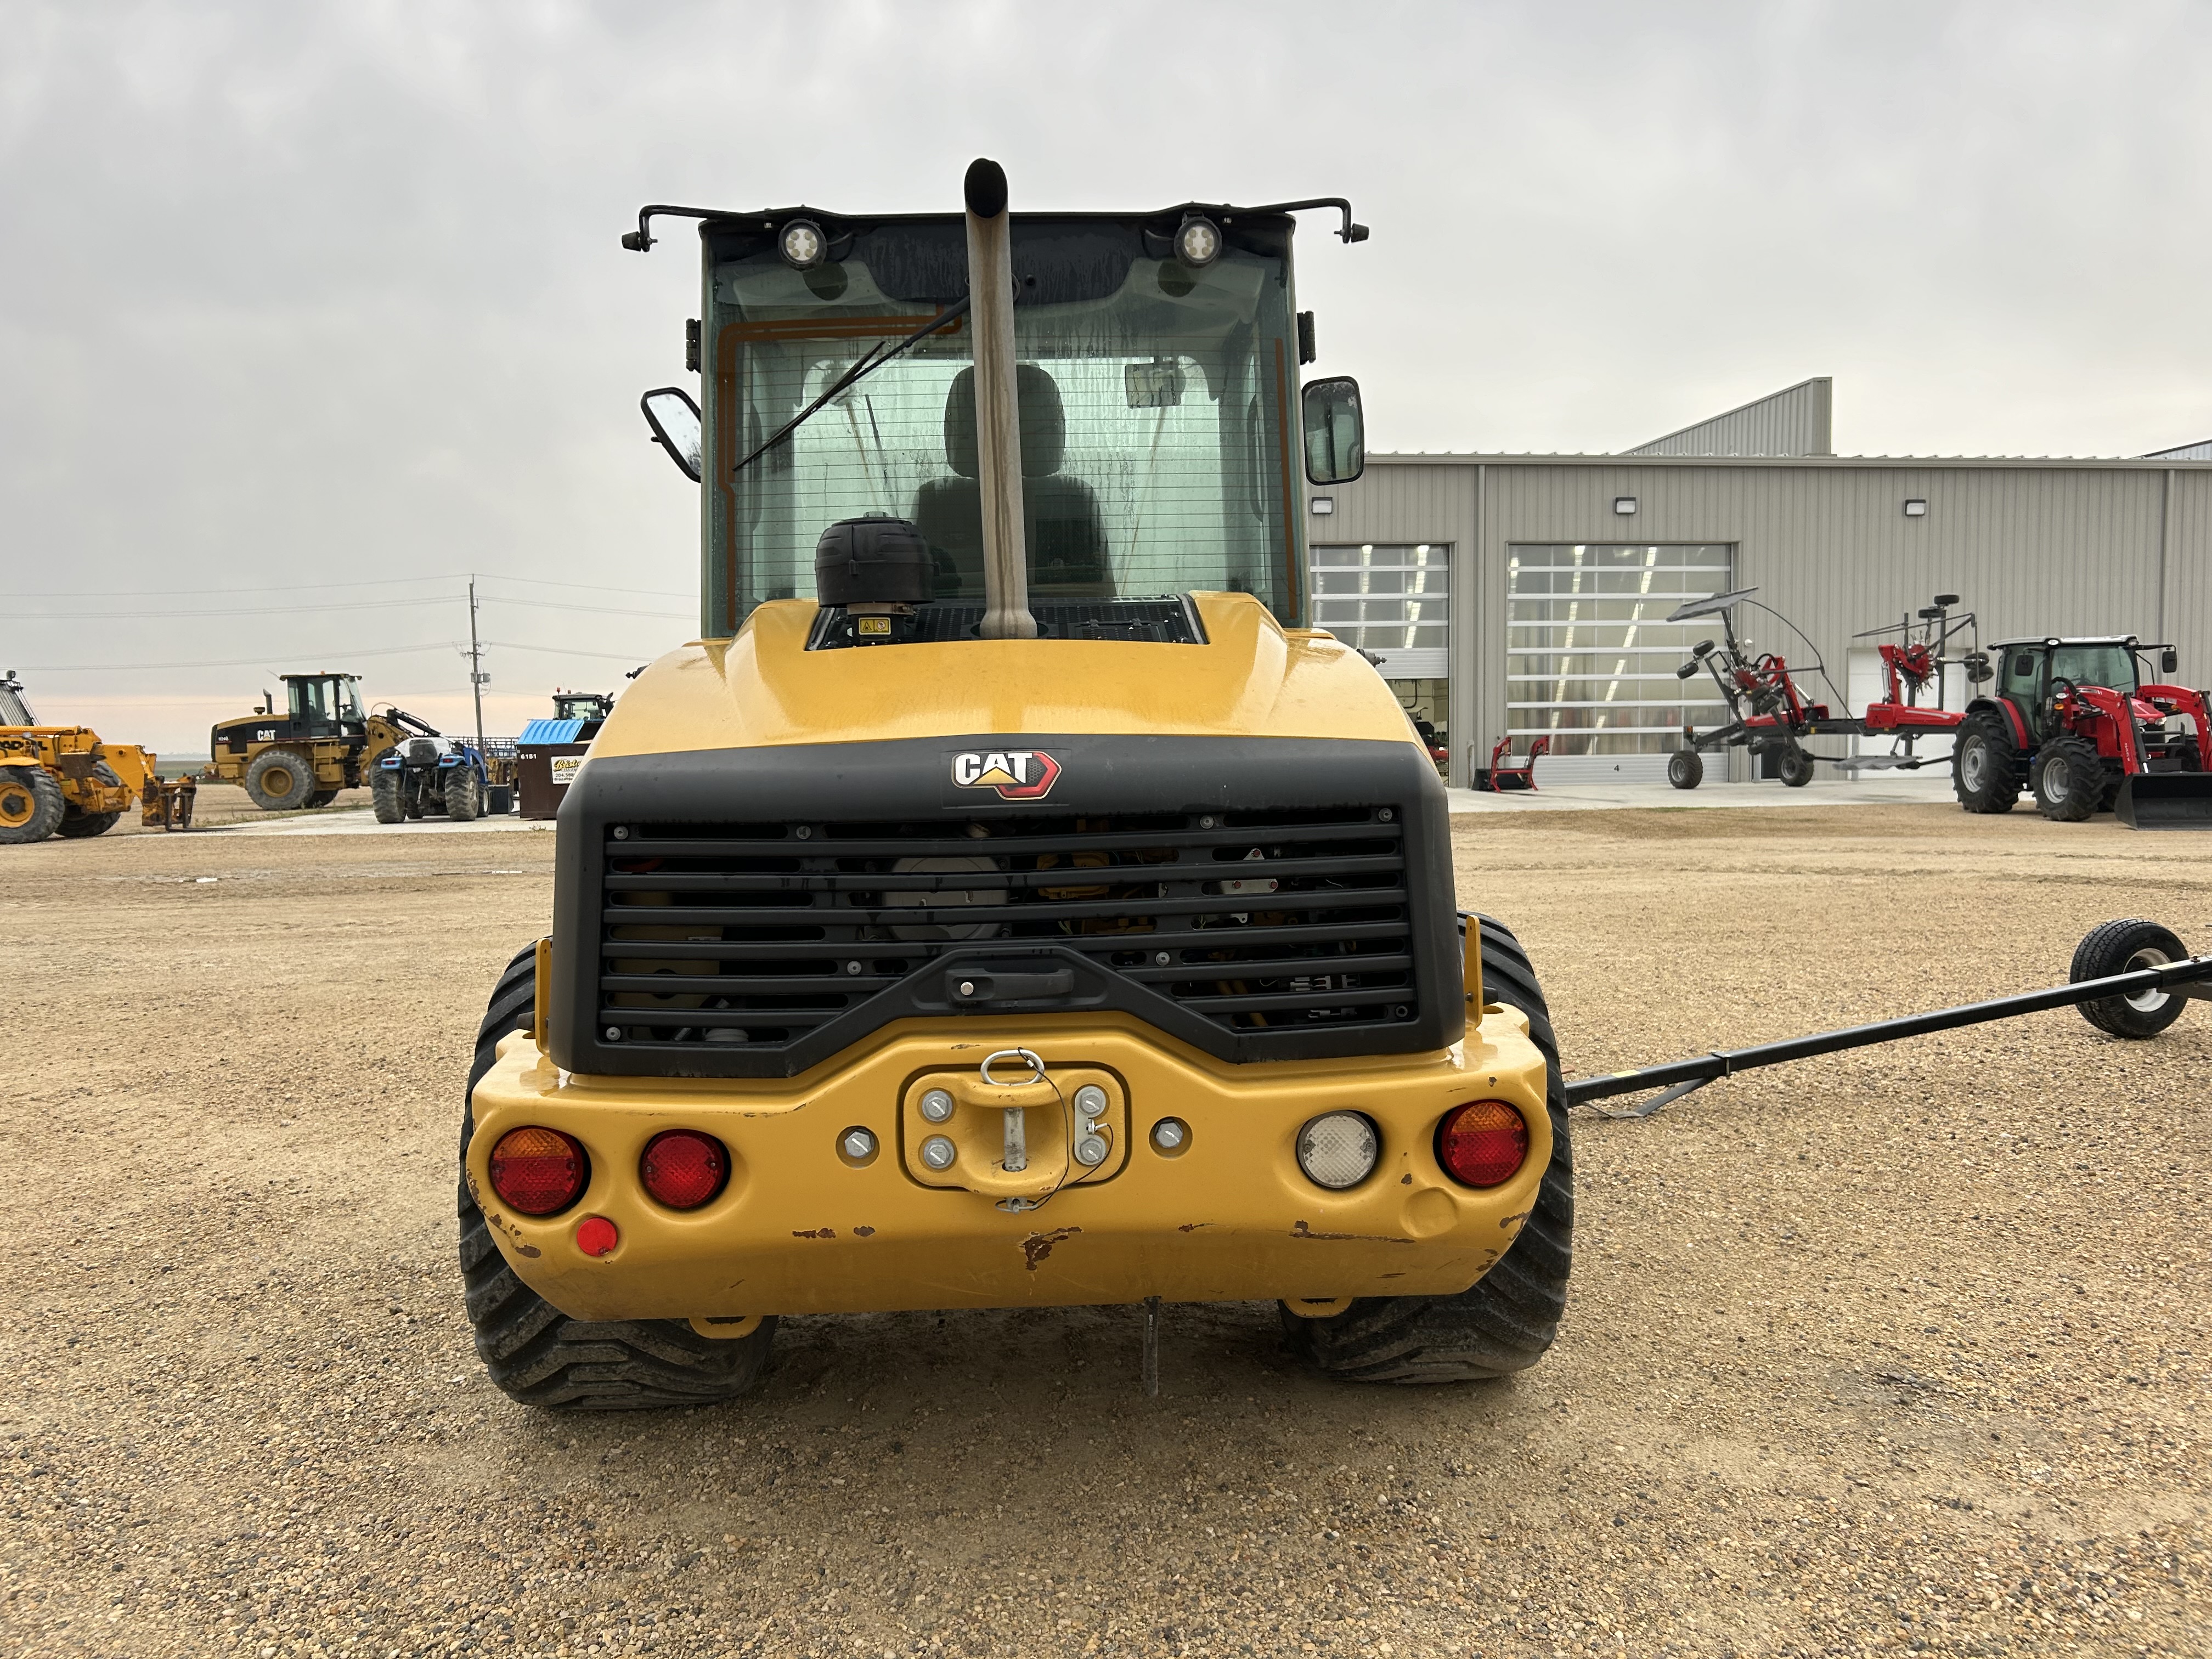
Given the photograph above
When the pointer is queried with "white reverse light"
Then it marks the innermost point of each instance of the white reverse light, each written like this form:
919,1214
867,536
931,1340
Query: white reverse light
1338,1150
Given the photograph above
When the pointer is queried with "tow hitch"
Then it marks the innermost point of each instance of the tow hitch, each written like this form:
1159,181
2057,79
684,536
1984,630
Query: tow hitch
2130,978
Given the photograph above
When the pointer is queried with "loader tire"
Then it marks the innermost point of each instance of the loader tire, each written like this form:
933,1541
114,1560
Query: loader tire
1985,769
1506,1321
384,798
78,825
539,1355
2069,780
1794,766
279,780
464,795
32,806
2120,947
1685,768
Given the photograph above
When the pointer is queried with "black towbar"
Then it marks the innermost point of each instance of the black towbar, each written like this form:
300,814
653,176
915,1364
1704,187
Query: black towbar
2191,977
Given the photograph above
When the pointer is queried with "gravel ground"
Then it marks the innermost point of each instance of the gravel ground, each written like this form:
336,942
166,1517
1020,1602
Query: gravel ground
1902,1350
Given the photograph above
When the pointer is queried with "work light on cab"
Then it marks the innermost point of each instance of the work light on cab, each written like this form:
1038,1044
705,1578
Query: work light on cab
1482,1144
803,244
539,1171
683,1169
1198,242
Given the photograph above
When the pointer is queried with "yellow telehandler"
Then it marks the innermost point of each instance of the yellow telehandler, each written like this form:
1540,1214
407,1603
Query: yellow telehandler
64,781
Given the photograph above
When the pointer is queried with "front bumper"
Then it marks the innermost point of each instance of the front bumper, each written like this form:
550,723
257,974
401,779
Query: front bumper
802,1228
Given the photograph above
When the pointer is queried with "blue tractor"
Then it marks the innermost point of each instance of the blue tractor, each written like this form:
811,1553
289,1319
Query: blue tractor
429,775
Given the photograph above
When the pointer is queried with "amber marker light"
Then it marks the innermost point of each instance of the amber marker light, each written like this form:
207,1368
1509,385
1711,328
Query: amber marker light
1482,1144
539,1171
683,1168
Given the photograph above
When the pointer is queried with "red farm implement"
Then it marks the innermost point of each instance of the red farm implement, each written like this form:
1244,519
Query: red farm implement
1769,714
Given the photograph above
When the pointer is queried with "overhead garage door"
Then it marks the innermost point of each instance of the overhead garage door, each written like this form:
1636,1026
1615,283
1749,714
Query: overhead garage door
1590,657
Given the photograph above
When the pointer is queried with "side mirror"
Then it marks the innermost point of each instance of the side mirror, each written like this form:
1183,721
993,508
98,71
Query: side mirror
674,419
2169,661
1336,432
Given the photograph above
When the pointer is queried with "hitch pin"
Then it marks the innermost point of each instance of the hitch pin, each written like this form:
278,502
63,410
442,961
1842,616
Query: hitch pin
1018,1143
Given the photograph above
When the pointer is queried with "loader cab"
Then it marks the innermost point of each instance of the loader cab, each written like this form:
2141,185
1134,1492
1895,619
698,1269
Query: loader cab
586,706
14,709
1162,429
324,706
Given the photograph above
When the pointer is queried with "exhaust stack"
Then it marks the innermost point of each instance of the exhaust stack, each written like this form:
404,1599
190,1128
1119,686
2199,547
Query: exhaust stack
998,412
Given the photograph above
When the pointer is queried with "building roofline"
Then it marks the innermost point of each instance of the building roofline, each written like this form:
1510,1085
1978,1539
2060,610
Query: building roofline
1815,463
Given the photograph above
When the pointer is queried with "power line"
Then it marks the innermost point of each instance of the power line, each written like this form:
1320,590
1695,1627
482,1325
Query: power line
351,604
390,651
381,581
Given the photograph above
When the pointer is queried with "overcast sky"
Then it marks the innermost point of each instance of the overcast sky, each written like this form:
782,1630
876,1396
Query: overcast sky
298,294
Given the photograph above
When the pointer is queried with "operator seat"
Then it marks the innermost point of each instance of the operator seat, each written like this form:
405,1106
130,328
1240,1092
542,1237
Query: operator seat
1067,534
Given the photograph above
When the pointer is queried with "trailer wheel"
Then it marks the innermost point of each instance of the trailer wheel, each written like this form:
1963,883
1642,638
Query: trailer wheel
1984,766
2120,947
1506,1321
32,805
279,780
1794,766
2069,780
384,798
1685,768
539,1355
80,826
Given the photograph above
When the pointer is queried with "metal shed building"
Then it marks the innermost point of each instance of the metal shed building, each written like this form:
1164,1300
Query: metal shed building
1526,594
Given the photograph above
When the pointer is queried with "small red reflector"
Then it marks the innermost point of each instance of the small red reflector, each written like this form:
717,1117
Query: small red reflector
596,1235
683,1169
1482,1144
539,1171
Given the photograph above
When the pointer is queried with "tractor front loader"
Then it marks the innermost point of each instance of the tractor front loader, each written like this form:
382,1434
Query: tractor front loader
64,781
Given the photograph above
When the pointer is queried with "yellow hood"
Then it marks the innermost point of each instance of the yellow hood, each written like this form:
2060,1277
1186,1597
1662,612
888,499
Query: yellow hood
1253,679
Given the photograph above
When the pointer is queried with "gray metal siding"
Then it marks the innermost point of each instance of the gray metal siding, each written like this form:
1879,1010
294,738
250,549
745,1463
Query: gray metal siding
1799,420
2188,618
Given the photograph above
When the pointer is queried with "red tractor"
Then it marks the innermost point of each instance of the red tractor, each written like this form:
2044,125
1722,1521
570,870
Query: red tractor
2072,721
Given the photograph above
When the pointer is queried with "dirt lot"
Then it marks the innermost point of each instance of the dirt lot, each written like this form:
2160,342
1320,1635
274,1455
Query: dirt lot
1901,1350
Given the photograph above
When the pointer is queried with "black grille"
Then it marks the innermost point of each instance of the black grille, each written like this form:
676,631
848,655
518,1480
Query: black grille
1270,925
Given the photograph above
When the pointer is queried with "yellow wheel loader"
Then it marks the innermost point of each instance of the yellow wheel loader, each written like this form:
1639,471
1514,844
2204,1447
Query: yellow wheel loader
64,781
322,743
1008,900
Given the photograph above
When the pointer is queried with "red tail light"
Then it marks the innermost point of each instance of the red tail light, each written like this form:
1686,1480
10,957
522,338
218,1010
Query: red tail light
683,1169
539,1171
1482,1144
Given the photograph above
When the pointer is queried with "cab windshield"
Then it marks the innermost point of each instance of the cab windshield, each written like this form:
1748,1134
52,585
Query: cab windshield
14,711
325,703
1156,454
2112,666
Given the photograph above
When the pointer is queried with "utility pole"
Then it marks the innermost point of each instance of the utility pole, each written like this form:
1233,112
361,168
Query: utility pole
477,677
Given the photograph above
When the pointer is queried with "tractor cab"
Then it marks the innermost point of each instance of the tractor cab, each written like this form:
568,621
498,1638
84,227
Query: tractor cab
324,705
2029,670
587,706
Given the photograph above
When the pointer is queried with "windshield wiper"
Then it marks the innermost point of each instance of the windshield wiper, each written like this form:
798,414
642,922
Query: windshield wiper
871,360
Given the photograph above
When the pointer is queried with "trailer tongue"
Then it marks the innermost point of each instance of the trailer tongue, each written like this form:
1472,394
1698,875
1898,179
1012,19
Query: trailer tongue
2129,978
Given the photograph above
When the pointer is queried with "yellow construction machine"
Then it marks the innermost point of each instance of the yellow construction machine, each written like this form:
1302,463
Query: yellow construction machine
1008,900
322,743
64,781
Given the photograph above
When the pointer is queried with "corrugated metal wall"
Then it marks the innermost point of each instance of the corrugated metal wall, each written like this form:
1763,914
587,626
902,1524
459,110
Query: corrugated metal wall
1798,420
2077,548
